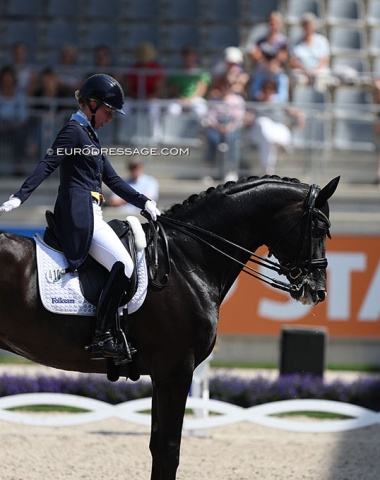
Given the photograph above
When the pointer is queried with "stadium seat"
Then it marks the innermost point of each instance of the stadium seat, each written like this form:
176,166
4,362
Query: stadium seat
259,11
359,65
135,129
181,130
348,41
296,8
142,32
22,31
222,11
374,41
102,33
179,35
352,102
61,8
25,8
354,134
180,10
317,131
143,10
345,12
222,36
376,67
101,9
373,13
60,32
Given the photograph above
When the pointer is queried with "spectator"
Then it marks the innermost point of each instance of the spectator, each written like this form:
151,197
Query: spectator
270,130
310,57
25,73
146,79
145,82
275,42
230,72
13,117
270,70
49,86
141,182
68,71
43,123
189,86
223,123
102,57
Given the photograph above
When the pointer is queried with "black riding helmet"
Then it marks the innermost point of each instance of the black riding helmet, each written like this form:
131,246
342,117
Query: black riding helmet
103,88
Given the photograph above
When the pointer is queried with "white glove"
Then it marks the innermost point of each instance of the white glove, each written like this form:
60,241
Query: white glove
151,208
10,204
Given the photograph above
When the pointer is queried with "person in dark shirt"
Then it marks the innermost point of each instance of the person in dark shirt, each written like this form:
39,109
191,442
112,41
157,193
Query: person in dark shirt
82,230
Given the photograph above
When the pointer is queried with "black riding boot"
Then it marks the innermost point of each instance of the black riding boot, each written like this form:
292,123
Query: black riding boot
103,345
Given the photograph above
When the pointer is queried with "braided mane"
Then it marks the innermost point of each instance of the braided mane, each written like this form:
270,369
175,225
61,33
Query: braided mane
193,200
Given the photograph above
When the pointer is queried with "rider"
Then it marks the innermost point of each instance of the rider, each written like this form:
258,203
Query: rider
82,230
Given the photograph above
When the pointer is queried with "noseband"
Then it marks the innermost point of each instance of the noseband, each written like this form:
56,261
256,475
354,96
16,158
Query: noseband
301,269
297,270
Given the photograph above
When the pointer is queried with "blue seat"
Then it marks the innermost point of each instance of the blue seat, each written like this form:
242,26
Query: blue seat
25,31
222,11
181,130
103,9
102,33
25,8
354,134
374,41
352,102
142,32
143,10
180,10
345,12
182,34
60,32
373,13
358,65
259,11
222,36
317,131
61,8
348,41
296,8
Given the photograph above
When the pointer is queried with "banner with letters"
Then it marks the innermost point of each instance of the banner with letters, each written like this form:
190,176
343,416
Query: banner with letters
351,308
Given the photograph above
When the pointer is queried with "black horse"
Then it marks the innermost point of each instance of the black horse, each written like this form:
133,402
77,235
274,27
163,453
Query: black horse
211,236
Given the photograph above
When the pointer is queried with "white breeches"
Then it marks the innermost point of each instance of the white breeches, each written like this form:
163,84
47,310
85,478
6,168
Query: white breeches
268,135
106,247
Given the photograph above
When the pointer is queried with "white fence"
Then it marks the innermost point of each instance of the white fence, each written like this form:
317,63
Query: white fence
227,414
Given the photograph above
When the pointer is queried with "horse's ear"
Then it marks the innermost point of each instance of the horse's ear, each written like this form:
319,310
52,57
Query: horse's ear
326,192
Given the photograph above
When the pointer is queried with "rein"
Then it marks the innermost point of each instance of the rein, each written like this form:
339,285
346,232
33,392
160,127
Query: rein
296,270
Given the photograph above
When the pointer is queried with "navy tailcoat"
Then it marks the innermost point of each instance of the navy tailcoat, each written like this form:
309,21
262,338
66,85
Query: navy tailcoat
77,152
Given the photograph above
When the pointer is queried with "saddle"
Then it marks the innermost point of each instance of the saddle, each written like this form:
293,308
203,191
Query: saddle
92,275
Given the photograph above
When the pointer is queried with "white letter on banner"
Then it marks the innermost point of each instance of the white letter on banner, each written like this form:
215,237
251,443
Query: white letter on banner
341,266
370,310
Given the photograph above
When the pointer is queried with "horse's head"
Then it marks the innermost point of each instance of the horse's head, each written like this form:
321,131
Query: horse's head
301,245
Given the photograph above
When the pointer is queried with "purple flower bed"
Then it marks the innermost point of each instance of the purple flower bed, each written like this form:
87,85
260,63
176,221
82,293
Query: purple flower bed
250,392
245,392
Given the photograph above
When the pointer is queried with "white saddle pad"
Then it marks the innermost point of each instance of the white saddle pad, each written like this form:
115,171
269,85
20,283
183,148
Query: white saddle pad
61,293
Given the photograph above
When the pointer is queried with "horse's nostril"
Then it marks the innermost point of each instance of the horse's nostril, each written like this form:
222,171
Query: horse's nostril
321,295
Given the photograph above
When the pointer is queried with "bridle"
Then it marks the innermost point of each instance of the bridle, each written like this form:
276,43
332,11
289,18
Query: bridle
298,271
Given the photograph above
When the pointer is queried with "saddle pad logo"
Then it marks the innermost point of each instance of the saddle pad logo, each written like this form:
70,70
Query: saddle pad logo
60,290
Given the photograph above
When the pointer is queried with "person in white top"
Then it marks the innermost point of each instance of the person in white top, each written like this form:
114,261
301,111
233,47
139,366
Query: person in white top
310,57
141,182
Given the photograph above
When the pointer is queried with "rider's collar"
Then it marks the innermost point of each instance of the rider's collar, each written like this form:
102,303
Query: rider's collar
81,118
